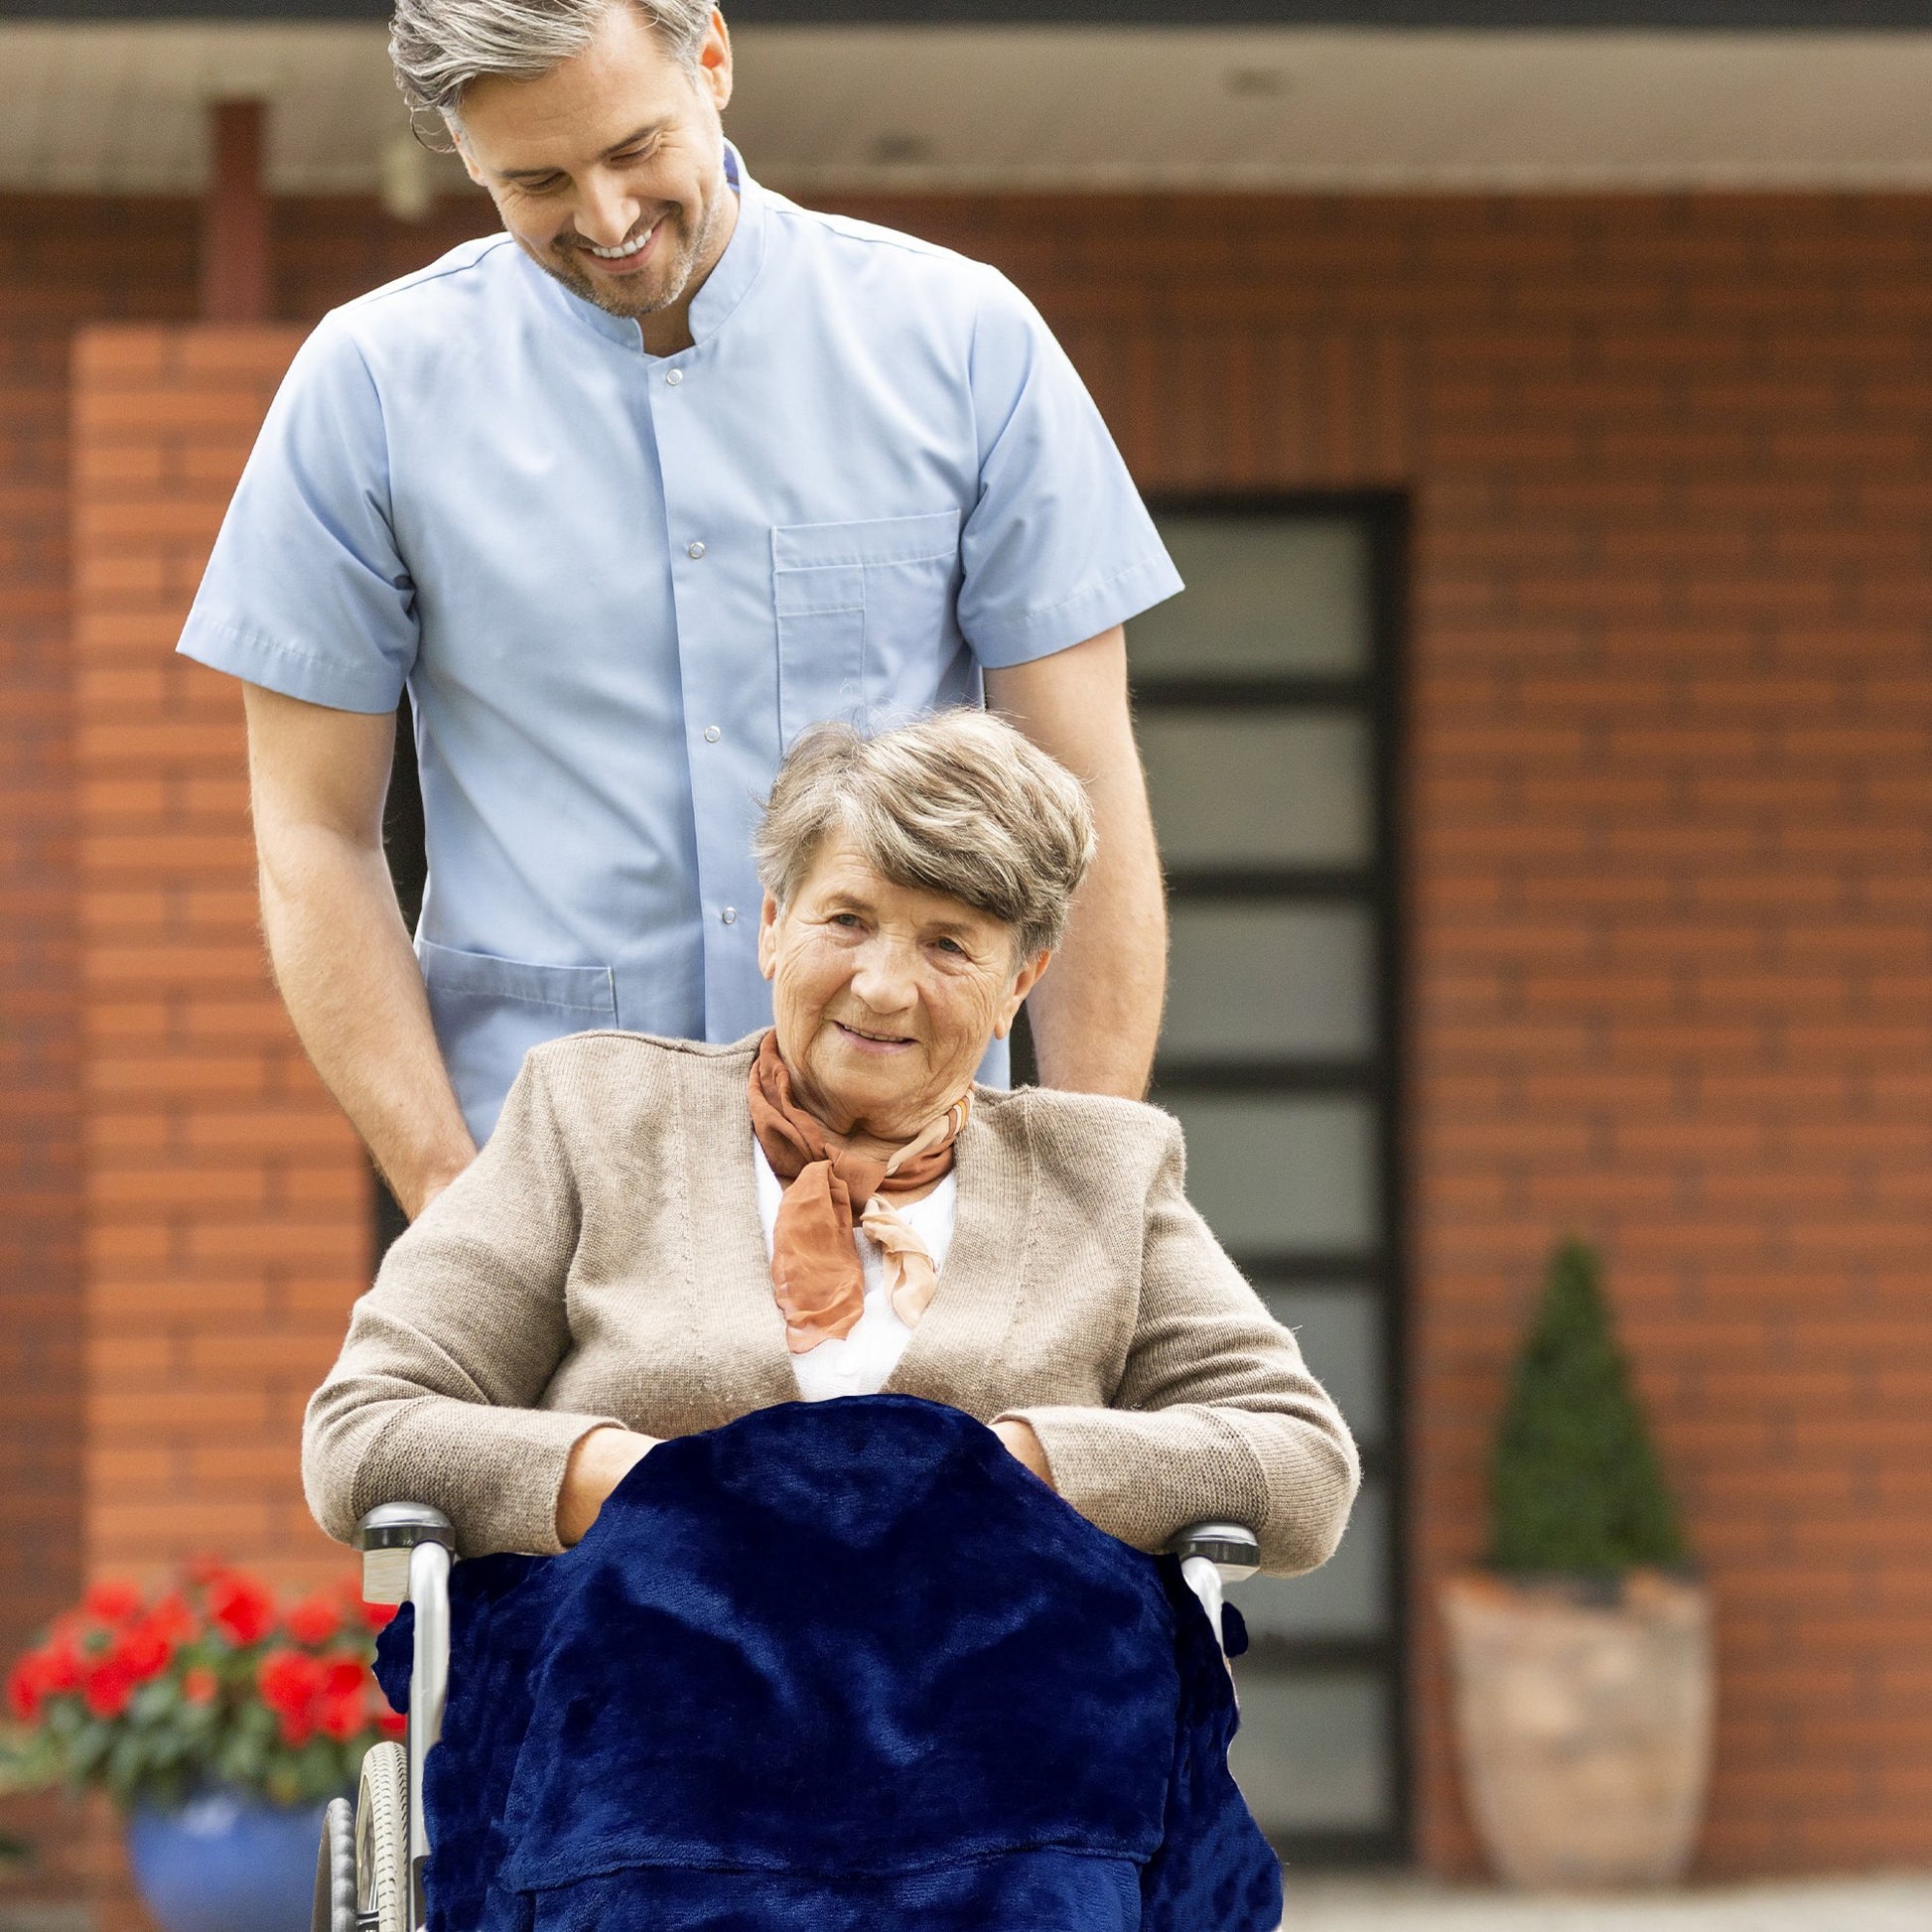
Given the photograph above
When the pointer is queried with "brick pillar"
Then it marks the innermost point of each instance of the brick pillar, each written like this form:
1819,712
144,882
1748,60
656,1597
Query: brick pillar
234,215
226,1201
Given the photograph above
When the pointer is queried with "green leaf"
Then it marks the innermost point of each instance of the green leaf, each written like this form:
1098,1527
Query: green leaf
88,1750
127,1761
154,1701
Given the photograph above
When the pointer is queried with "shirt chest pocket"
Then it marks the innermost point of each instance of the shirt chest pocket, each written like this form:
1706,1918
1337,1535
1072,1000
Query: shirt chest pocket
863,609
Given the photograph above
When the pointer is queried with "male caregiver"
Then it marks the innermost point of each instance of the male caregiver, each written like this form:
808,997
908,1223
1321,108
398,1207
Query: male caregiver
626,497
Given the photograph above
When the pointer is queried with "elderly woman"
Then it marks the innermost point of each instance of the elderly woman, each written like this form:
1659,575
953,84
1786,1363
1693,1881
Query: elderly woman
662,1236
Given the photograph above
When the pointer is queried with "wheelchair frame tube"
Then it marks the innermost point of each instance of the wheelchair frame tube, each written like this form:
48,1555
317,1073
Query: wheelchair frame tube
429,1591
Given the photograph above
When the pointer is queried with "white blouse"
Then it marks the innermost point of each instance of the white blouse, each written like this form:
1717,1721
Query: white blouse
861,1362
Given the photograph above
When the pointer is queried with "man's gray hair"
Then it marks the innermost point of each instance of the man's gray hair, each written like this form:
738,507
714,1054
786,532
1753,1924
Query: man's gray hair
959,804
439,46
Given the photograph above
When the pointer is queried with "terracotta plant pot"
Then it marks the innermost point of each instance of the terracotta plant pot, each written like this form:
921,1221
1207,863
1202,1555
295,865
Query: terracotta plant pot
1582,1720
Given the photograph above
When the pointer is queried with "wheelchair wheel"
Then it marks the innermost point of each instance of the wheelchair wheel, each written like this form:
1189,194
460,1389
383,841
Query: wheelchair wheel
382,1840
336,1871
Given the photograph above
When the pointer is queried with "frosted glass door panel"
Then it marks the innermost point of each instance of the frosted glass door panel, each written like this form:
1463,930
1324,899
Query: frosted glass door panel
1262,981
1278,1174
1285,789
1348,1596
1263,599
1312,1753
1261,698
1340,1333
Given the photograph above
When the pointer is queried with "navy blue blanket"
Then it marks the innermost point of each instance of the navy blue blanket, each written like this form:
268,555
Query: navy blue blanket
840,1665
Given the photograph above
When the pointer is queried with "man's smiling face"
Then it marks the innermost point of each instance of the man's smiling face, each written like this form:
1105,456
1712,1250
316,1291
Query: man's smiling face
609,170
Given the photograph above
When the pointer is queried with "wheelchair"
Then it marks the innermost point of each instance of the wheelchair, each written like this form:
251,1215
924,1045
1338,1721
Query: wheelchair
369,1867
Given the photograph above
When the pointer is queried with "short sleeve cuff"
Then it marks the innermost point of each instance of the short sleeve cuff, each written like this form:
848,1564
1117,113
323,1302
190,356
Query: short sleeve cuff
1000,641
285,668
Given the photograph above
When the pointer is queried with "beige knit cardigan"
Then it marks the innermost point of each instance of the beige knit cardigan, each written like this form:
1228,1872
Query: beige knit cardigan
602,1261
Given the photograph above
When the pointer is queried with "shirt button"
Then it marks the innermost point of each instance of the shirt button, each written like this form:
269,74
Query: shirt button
712,734
694,551
729,915
673,378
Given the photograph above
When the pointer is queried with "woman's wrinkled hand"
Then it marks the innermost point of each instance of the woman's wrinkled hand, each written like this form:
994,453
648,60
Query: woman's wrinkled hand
598,1463
1024,1446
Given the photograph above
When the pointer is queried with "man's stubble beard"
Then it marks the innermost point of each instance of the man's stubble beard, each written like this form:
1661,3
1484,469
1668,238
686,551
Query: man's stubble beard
661,288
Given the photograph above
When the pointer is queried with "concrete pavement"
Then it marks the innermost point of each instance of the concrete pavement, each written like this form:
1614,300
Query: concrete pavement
1901,1904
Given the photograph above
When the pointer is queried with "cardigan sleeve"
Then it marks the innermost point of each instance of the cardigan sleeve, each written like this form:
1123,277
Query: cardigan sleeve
1215,1417
433,1398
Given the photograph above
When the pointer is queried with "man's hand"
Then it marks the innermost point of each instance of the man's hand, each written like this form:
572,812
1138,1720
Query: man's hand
1097,1014
598,1463
317,779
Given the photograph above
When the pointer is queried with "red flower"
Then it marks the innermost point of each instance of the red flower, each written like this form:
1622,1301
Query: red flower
59,1663
314,1620
172,1618
112,1603
290,1684
288,1680
53,1669
143,1652
340,1717
200,1685
108,1685
242,1606
392,1723
26,1686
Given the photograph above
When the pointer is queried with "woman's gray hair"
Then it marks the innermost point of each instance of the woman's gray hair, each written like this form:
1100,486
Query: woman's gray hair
958,804
439,46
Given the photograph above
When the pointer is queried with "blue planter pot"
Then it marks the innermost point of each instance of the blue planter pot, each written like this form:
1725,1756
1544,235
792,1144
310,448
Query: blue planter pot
226,1863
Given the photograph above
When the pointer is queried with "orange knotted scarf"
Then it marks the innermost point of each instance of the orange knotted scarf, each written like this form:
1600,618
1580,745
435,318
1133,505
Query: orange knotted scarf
815,1268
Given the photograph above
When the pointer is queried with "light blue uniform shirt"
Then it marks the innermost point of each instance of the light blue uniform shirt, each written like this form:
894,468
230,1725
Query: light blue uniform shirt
618,585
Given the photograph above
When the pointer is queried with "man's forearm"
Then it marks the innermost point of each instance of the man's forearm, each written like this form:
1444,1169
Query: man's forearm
349,979
1096,1015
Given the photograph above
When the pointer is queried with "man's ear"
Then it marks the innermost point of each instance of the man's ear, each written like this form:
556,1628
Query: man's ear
463,150
714,62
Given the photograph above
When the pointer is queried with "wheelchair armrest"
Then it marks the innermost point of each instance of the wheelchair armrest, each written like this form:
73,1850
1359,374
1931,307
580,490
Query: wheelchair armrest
387,1535
1232,1549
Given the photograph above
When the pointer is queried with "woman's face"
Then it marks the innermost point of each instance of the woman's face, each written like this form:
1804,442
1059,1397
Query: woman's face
885,995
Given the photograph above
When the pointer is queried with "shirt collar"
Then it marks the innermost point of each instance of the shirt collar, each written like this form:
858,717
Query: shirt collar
738,267
728,284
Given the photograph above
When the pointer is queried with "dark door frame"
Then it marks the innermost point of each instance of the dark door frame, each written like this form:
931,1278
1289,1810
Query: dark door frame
1379,696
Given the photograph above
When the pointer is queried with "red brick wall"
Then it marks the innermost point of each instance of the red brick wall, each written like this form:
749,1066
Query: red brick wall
227,1207
54,274
1670,851
1671,694
65,262
59,267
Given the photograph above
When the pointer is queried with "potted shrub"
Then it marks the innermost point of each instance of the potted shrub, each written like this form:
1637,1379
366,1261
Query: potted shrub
1580,1657
219,1721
